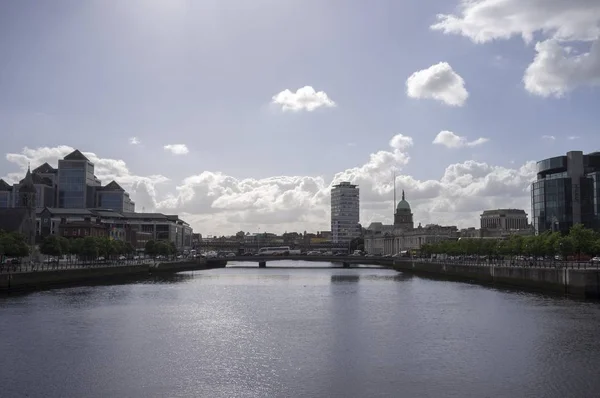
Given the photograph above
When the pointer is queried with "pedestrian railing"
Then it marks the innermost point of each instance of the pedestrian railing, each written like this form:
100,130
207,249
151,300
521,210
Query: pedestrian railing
515,263
53,266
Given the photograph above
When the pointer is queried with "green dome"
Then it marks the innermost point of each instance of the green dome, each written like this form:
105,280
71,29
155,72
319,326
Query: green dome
403,204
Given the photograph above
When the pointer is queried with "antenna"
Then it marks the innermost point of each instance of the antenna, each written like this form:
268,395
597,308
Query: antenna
394,206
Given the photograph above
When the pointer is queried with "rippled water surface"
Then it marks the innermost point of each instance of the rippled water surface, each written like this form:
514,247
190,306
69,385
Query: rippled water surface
297,333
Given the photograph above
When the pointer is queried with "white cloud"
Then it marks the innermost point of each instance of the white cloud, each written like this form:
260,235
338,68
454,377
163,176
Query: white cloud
134,141
549,138
305,98
451,140
556,68
438,82
215,203
573,137
177,149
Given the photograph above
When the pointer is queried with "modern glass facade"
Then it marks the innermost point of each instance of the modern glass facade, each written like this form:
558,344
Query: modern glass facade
551,204
111,200
72,185
567,191
5,199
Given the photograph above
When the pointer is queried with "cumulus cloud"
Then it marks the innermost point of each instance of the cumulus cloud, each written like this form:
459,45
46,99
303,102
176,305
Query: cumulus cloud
134,141
177,149
216,203
549,138
305,98
556,68
451,140
438,82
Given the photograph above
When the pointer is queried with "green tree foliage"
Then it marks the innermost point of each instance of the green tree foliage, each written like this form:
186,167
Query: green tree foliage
13,244
129,249
150,248
89,248
357,244
579,241
51,246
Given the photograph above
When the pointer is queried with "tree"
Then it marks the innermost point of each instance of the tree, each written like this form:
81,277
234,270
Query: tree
356,242
105,247
51,246
76,247
65,245
583,239
596,247
89,247
565,246
150,248
14,244
129,248
172,247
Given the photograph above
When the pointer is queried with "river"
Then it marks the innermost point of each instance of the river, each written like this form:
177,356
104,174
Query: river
239,332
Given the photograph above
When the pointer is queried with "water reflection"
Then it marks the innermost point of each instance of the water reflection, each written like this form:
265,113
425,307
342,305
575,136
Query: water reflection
345,278
297,333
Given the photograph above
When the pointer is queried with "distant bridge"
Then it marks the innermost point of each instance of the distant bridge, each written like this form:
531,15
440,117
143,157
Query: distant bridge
342,261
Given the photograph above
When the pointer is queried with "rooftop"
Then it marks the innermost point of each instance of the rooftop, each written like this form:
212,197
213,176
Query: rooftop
112,186
45,169
76,155
4,186
510,211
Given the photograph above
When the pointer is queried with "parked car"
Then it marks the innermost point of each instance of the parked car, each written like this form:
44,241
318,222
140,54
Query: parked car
595,259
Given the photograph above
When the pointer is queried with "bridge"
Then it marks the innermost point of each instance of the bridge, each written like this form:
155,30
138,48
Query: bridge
343,261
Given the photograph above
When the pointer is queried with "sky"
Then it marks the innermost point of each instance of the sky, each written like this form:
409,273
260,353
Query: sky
241,115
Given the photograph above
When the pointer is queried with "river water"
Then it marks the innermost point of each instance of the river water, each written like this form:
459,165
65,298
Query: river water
239,332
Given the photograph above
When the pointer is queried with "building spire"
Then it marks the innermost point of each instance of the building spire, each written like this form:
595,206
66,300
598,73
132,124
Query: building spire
394,191
403,194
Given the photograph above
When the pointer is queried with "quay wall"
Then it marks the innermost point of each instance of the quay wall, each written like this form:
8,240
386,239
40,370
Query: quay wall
572,281
73,276
561,279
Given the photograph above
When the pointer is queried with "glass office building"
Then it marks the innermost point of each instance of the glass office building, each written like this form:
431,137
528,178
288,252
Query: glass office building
566,192
76,182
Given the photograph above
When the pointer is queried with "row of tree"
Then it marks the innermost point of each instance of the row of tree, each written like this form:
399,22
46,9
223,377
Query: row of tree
88,248
160,247
13,244
579,241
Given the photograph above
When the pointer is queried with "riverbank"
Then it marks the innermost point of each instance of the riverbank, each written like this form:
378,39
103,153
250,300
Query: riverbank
34,280
558,278
577,282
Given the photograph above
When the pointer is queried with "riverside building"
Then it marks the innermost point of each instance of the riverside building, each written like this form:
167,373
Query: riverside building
566,192
345,210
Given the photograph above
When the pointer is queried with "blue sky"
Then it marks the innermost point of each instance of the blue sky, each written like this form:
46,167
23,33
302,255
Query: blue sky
92,74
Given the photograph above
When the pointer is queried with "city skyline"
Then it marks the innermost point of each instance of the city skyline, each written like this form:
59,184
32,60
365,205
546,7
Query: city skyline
462,113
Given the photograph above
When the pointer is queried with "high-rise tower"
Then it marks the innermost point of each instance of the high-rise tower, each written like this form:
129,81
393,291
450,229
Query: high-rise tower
345,210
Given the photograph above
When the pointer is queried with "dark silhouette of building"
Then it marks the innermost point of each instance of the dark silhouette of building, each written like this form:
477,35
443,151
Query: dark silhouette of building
566,192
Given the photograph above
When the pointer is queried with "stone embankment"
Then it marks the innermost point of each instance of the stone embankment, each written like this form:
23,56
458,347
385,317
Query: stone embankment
572,279
564,278
78,275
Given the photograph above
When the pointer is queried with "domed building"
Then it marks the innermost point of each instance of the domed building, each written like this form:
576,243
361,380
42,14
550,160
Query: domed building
403,218
402,236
